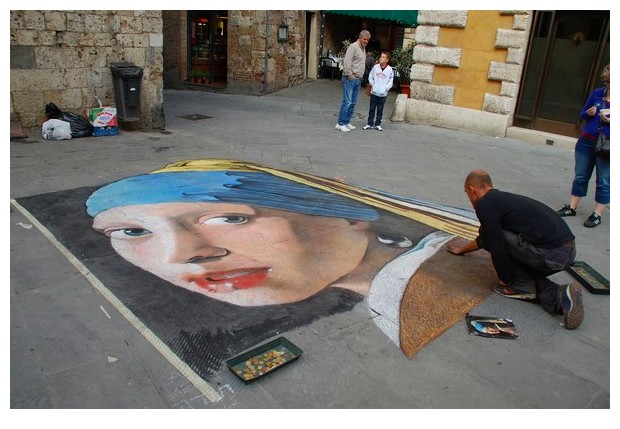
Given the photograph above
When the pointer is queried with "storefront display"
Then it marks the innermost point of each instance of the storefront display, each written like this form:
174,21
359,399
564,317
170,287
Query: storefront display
208,34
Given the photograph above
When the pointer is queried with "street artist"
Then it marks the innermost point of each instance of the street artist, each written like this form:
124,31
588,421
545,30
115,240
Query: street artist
528,241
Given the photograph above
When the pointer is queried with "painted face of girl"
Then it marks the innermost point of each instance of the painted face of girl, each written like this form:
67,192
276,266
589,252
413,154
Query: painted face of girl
236,253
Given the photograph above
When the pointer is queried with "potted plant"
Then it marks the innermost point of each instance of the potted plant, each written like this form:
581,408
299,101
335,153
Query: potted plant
208,77
343,50
195,76
402,60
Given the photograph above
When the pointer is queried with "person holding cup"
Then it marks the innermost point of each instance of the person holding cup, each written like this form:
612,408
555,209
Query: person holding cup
596,114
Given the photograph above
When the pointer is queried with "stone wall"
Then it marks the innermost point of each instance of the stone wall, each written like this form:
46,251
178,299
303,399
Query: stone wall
64,57
467,69
246,50
409,37
257,62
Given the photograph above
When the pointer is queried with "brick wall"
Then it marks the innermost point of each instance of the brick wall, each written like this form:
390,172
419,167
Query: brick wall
175,47
64,57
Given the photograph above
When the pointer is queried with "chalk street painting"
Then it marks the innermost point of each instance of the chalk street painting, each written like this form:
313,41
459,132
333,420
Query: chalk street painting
215,256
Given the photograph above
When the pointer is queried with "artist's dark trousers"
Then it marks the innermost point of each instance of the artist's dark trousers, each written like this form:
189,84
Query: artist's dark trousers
532,265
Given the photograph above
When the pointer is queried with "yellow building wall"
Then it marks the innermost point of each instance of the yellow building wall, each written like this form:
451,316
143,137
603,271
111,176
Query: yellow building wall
477,41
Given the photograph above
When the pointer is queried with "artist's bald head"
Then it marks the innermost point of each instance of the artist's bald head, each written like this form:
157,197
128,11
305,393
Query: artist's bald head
477,184
478,179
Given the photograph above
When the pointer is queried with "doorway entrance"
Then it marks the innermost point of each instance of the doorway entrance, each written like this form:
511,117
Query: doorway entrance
207,40
566,54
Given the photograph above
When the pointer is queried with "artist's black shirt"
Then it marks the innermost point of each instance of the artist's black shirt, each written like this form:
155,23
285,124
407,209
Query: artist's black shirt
537,223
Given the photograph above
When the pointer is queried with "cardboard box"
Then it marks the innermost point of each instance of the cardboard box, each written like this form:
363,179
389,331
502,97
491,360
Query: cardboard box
103,120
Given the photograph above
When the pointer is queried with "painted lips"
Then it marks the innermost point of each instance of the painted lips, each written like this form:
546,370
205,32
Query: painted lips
229,281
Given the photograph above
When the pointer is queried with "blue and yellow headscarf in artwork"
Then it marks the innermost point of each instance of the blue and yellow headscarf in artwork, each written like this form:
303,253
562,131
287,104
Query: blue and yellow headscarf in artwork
237,187
237,182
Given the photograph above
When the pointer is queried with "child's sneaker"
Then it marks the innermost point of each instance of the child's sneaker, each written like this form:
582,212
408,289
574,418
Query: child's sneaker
378,128
367,127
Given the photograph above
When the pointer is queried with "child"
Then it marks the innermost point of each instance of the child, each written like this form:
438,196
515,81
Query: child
381,78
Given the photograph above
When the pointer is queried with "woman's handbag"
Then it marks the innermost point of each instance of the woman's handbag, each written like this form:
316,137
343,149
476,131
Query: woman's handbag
601,148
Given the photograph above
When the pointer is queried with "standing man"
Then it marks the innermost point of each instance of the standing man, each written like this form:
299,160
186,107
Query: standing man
528,241
352,75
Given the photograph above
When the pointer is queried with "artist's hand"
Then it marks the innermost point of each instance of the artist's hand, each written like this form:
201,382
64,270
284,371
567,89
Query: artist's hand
456,250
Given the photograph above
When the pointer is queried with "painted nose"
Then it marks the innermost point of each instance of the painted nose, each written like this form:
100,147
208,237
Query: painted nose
192,248
218,252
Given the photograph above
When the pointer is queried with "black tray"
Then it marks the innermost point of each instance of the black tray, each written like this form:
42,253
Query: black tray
589,277
261,360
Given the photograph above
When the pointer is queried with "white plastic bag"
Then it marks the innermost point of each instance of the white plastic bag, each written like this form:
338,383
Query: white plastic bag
55,129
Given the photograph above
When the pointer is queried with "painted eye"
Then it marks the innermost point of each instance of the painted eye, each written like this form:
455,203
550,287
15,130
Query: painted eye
225,220
129,233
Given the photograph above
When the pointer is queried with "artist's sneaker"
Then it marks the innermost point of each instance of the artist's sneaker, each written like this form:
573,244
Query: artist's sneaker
593,220
379,128
349,126
567,210
511,293
367,127
342,128
572,304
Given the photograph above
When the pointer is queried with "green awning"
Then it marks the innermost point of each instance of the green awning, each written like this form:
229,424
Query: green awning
405,17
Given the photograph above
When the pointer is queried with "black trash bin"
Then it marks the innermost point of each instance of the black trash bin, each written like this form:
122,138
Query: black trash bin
127,86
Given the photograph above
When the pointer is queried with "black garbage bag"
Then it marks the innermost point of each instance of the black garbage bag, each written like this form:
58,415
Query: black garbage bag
80,126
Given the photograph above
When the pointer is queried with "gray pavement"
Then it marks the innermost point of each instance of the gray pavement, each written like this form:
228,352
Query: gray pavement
70,348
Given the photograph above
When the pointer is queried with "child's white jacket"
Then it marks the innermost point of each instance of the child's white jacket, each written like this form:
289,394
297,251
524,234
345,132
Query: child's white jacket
381,80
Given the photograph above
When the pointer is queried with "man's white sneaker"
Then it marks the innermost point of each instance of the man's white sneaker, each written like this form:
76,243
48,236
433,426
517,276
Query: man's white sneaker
367,127
349,126
378,128
342,128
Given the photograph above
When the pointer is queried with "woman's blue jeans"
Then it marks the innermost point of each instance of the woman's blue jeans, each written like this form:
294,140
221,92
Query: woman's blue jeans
350,91
585,161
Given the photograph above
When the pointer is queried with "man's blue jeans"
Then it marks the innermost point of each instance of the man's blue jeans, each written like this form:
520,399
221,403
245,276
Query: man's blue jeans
585,161
350,91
